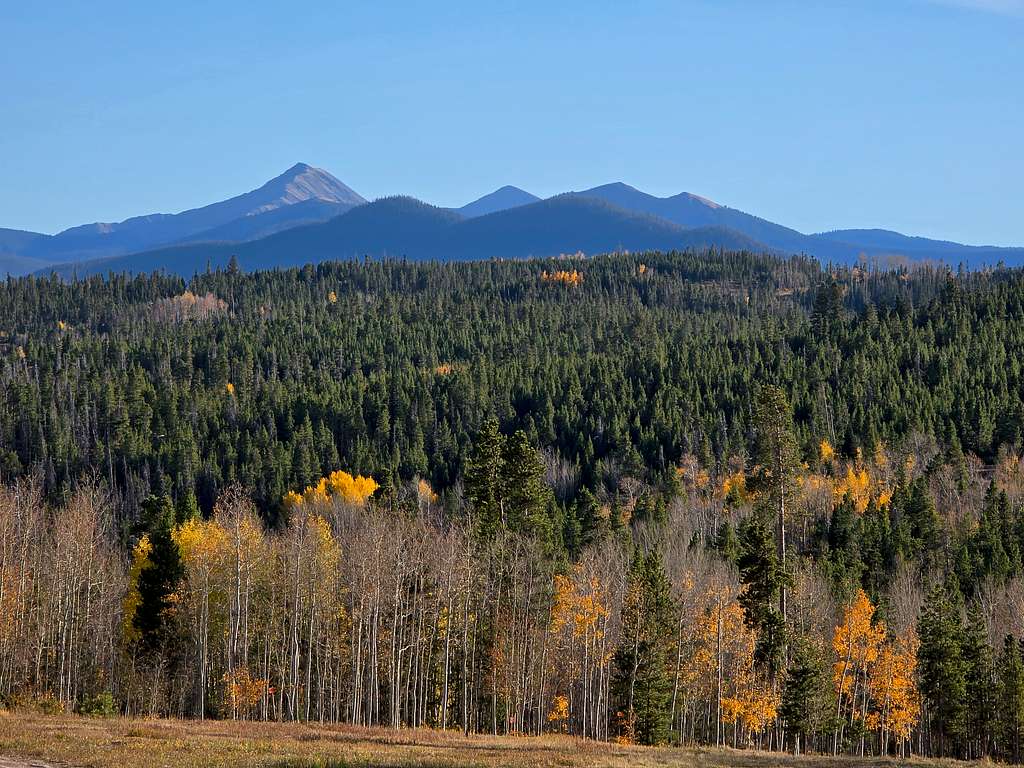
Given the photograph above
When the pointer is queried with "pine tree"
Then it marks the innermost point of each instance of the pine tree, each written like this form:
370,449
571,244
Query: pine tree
761,580
186,508
160,578
642,682
827,312
726,543
778,457
917,508
802,697
942,668
525,497
593,527
1011,699
977,656
483,476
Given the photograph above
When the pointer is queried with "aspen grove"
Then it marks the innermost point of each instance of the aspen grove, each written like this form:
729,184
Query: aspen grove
696,498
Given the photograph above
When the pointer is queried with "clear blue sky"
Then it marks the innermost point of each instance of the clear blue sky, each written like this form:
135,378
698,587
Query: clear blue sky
905,114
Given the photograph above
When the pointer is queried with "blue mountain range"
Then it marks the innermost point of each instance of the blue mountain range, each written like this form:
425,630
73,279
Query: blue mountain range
307,215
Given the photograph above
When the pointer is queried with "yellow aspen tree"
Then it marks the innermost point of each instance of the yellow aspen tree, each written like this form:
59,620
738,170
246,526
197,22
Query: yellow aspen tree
140,560
856,642
895,698
203,545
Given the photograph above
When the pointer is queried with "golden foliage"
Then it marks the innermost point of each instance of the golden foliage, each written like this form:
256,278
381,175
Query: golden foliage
881,457
884,670
230,389
559,711
897,701
862,481
243,691
856,642
188,306
579,603
338,485
140,560
562,276
332,297
693,475
734,487
425,494
201,543
722,639
857,485
826,451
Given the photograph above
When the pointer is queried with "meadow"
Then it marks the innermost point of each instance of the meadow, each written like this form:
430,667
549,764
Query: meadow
67,740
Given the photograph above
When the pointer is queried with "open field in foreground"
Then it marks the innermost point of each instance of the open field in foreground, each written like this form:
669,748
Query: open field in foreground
32,740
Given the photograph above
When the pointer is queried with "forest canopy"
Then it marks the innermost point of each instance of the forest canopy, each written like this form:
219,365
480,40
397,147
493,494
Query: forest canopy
694,497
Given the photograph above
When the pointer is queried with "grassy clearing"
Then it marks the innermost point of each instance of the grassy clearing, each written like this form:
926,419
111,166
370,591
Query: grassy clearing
150,743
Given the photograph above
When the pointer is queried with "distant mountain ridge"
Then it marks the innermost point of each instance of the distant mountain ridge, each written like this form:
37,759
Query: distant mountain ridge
403,227
306,214
301,195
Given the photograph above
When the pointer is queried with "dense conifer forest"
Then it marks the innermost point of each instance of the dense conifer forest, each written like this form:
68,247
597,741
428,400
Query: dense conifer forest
694,497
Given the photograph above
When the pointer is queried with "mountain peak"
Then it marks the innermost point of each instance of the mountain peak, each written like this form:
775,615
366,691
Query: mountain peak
303,182
616,186
499,200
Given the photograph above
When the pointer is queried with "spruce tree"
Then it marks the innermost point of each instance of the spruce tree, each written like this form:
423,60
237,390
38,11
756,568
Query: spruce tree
483,477
977,655
186,508
642,681
761,580
159,580
778,458
802,698
525,497
941,666
1011,699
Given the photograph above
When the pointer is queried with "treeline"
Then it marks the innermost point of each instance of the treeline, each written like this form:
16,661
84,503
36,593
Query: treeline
864,605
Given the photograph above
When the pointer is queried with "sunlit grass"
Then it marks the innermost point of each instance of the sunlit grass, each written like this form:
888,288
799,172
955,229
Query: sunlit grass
153,743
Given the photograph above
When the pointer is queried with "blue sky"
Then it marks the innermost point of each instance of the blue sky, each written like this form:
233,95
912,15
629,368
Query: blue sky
904,114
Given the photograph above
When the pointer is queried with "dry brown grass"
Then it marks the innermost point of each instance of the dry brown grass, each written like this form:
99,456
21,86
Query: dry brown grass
149,743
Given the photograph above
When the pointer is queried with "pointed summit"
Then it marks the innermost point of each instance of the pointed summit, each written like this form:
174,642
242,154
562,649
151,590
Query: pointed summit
302,194
303,182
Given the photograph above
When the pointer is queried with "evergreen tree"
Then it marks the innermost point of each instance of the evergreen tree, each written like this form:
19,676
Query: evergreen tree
186,508
827,312
918,510
593,527
942,669
802,696
977,656
1011,699
778,457
761,580
525,497
642,682
159,580
483,480
726,543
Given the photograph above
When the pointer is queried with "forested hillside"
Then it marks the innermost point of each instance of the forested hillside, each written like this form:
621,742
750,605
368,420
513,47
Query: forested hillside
700,497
